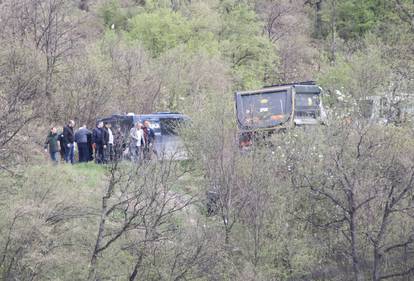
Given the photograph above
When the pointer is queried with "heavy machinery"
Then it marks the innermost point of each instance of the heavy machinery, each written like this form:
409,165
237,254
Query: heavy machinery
275,108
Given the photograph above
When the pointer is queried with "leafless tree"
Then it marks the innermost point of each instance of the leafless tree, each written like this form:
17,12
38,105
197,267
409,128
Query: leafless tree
20,84
46,26
37,36
277,16
86,91
368,186
35,230
287,25
139,203
262,178
138,86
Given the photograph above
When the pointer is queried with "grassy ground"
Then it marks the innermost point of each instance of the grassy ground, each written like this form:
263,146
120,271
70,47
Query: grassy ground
91,173
62,203
85,182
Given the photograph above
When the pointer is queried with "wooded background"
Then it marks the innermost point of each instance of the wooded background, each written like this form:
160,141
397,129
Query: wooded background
328,203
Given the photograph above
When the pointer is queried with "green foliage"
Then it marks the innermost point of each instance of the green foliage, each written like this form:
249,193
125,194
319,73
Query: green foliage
235,33
242,43
362,74
356,17
159,30
205,25
112,14
352,19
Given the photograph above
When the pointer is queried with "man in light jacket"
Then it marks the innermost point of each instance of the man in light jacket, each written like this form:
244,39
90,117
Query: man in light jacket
109,140
136,139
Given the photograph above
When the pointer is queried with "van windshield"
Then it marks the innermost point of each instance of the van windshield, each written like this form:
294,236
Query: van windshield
261,110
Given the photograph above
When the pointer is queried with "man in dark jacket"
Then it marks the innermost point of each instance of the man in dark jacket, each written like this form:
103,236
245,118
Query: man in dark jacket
90,147
81,138
69,140
62,146
149,140
98,139
119,144
53,144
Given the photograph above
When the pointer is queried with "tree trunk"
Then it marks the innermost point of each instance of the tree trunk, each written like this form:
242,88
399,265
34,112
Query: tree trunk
354,252
377,242
376,267
333,31
227,236
137,266
318,21
101,230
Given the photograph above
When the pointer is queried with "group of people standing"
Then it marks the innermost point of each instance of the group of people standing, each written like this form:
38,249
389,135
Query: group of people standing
141,144
101,144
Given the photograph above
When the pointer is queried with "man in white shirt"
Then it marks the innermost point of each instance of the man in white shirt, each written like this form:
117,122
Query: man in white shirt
110,146
136,141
